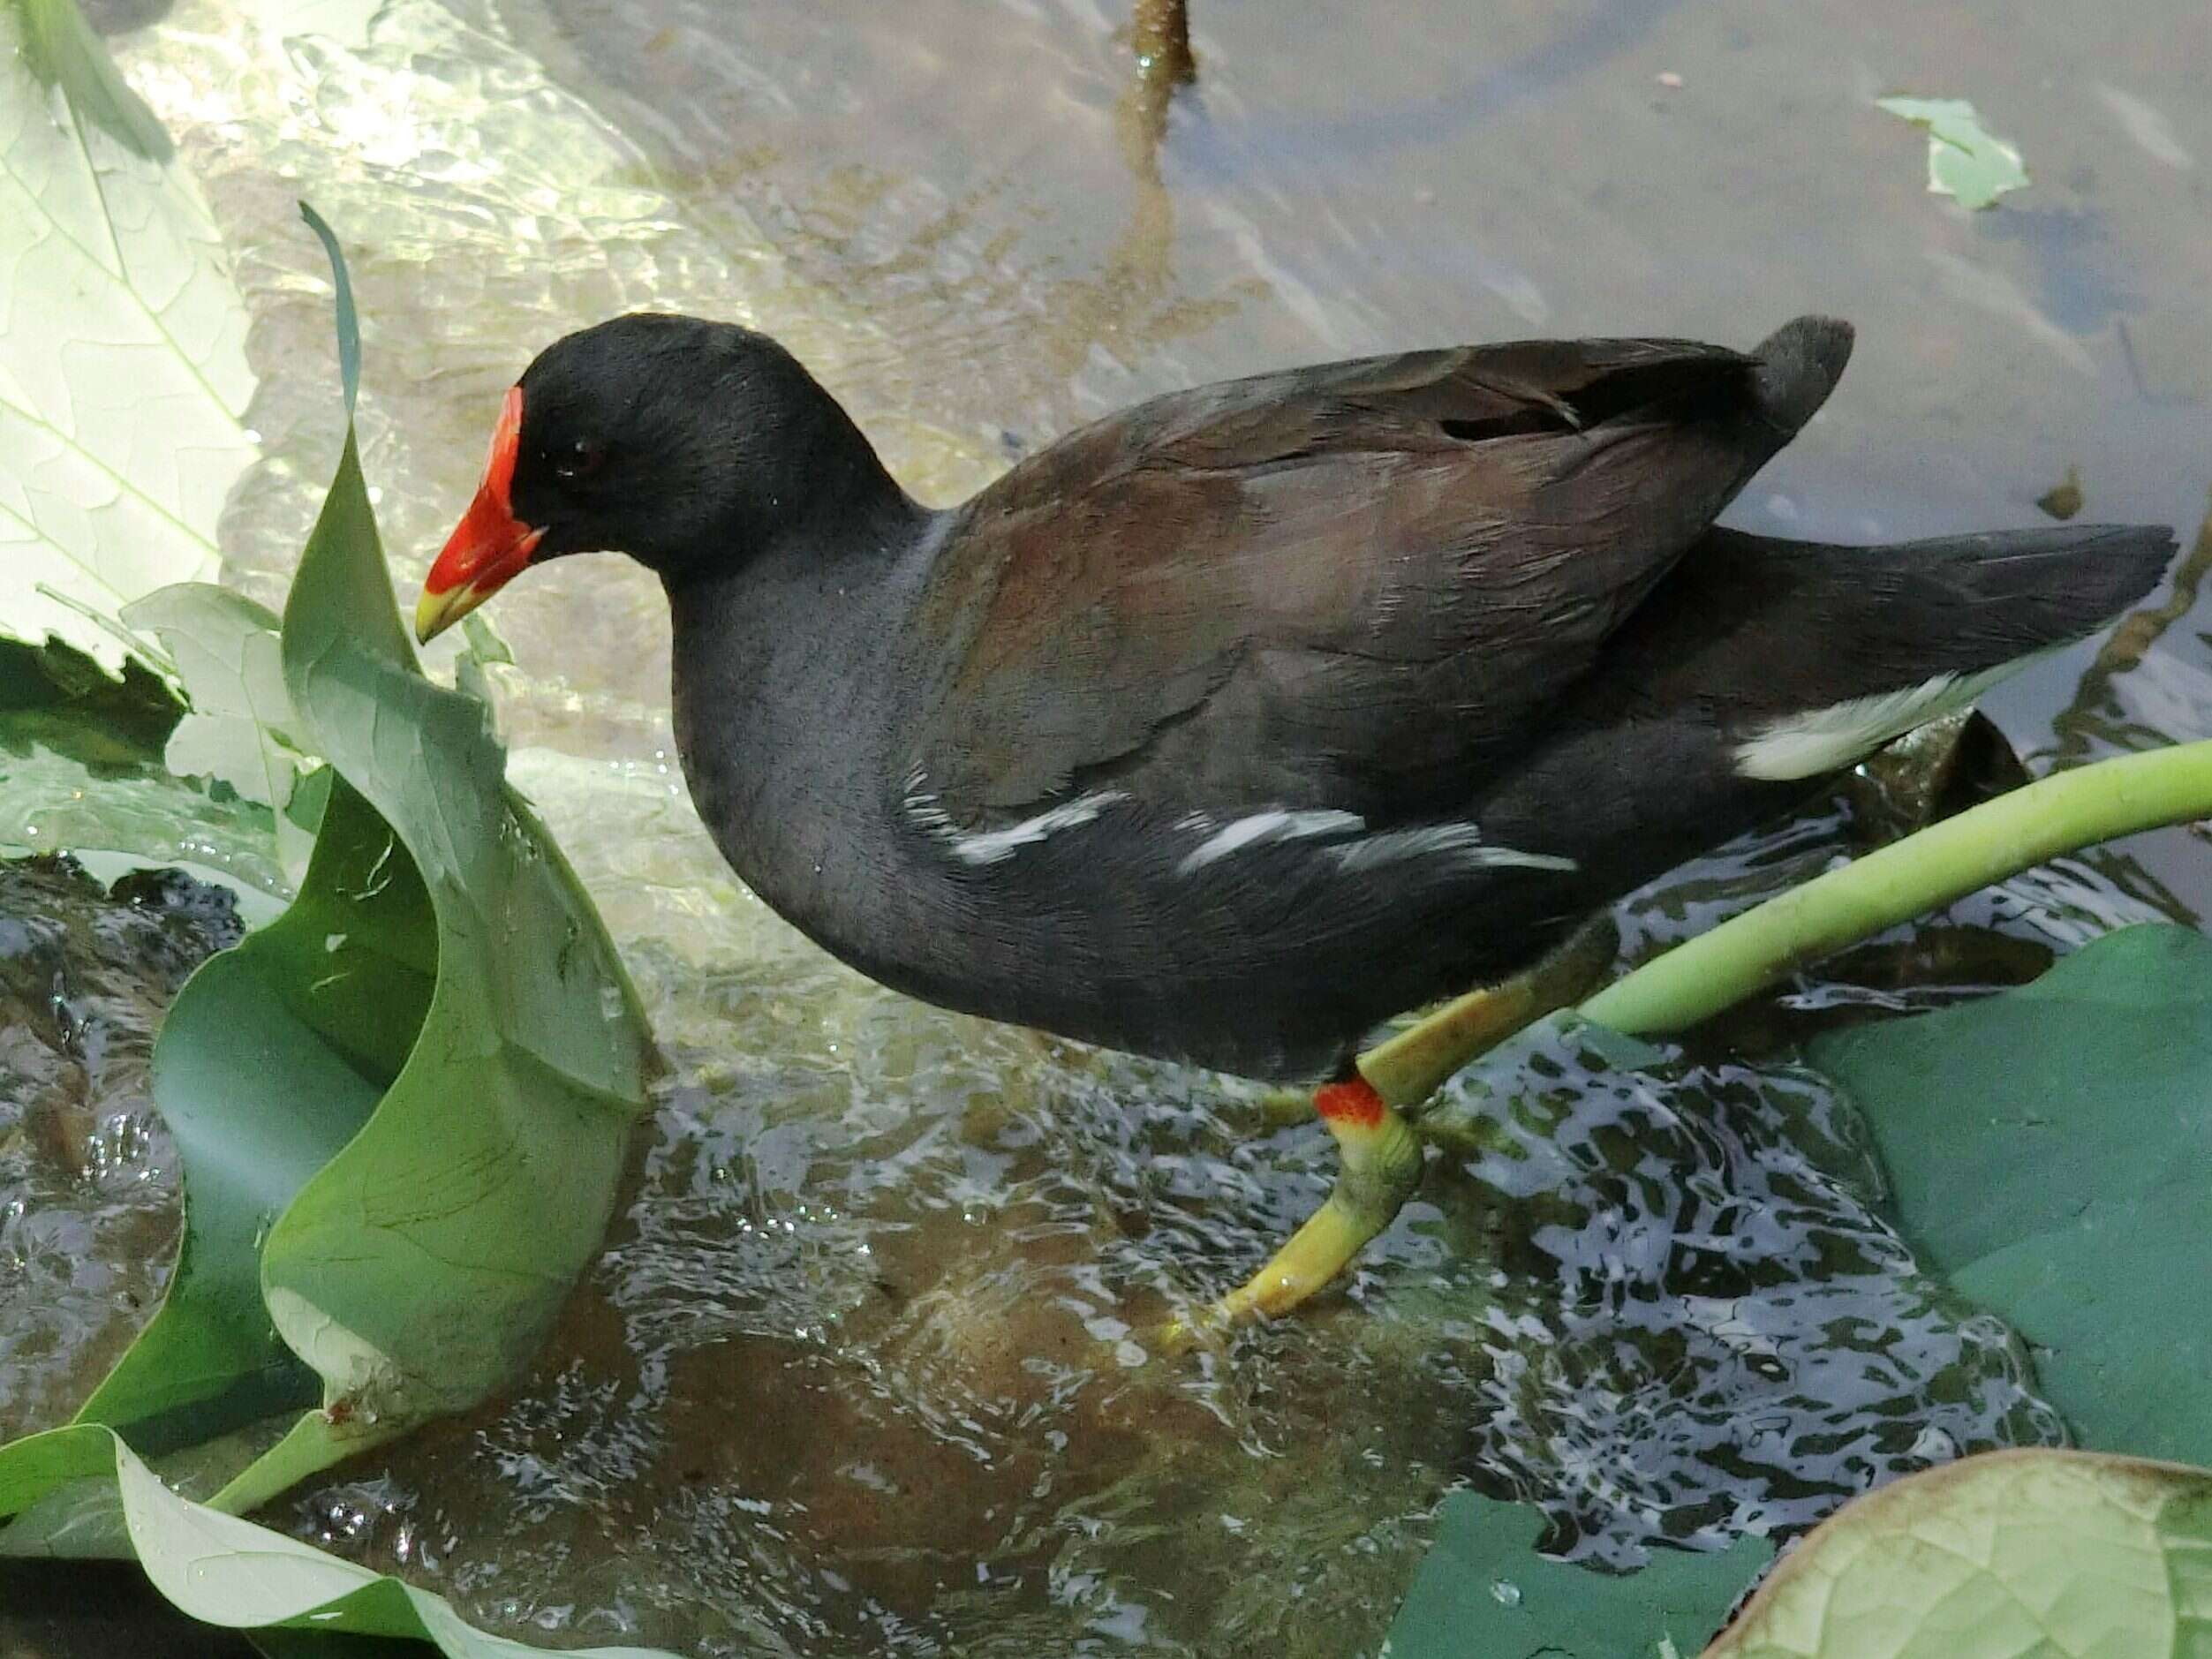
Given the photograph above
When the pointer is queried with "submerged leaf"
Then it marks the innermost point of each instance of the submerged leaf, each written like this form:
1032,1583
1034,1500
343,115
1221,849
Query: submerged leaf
2047,1150
2013,1552
123,374
68,780
62,683
1483,1590
83,1486
1965,159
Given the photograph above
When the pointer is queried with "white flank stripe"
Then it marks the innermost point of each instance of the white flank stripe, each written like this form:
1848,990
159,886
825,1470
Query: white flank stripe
925,812
992,845
1352,851
1830,739
1462,842
1262,827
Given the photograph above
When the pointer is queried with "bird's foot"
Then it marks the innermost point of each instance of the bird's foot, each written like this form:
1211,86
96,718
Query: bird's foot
1380,1169
1382,1157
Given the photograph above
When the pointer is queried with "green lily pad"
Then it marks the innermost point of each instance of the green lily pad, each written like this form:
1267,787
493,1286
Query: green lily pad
1483,1590
2060,1553
84,1485
123,385
2048,1149
1965,160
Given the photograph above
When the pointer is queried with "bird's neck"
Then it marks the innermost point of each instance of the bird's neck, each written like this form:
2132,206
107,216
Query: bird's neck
815,587
855,511
798,642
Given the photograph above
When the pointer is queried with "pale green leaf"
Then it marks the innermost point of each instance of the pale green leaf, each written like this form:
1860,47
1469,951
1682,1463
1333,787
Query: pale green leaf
122,376
2061,1555
1965,159
482,649
218,1568
224,649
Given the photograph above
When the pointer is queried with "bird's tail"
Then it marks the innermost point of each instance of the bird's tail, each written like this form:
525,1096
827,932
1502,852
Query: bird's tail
1799,365
1888,639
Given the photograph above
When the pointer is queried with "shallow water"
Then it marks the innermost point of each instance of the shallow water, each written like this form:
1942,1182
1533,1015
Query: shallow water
88,1172
864,1368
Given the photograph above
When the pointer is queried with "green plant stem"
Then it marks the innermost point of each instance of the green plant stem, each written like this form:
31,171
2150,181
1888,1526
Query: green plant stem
2060,814
313,1444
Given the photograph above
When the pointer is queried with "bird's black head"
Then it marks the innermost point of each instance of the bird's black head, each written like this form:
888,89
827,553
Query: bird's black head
688,445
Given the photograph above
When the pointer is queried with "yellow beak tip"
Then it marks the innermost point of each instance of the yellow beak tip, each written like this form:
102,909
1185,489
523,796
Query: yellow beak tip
434,613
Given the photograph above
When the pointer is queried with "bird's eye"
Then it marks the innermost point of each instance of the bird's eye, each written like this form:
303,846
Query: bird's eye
579,460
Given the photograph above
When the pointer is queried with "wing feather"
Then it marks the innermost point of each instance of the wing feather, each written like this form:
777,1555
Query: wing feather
1340,588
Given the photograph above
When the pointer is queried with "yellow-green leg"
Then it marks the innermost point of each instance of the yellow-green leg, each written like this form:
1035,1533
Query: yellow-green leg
1380,1168
1408,1068
1380,1153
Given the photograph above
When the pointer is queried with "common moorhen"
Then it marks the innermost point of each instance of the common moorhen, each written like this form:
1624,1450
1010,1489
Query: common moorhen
1226,727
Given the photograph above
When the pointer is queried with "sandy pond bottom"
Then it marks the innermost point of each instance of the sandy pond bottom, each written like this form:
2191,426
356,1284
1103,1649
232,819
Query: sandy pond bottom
867,1364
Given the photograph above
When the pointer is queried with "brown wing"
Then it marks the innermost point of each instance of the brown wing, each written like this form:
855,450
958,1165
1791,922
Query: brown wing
1342,587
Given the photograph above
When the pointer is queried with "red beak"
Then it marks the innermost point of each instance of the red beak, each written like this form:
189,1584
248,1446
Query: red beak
490,546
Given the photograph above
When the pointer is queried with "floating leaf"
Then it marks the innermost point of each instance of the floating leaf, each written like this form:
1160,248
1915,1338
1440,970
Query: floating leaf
68,781
82,1489
1965,159
122,375
2047,1150
2043,1552
1483,1590
2063,499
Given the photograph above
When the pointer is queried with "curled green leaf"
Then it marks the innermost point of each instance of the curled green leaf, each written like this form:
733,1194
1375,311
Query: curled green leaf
401,1108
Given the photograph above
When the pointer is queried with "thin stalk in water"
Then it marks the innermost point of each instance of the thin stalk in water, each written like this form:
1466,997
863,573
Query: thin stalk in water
2063,813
